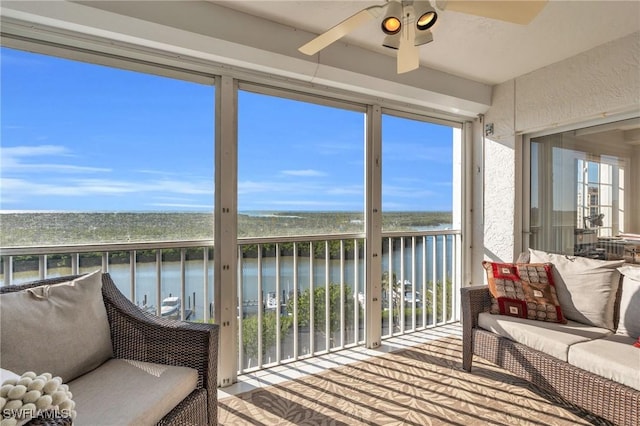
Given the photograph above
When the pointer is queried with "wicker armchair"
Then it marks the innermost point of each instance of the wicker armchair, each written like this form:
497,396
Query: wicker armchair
140,336
612,401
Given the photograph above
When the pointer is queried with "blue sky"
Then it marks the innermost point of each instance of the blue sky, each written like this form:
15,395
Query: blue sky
83,137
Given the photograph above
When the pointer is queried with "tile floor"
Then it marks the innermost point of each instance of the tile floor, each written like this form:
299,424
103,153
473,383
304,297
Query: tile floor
301,368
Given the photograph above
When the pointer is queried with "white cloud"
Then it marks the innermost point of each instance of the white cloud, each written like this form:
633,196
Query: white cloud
91,187
348,190
406,192
305,173
32,151
13,160
271,187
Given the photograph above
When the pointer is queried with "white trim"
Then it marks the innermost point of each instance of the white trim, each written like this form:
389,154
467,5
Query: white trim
343,67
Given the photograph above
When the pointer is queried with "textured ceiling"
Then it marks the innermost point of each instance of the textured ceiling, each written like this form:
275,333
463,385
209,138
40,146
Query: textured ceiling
481,49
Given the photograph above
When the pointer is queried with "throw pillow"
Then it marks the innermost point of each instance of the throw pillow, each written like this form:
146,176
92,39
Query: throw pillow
637,343
629,324
62,329
523,290
586,287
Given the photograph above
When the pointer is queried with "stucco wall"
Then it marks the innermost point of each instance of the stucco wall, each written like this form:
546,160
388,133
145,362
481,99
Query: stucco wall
601,82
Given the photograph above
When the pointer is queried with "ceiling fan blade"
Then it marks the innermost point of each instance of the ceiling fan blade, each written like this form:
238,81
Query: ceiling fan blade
515,11
408,54
342,29
408,59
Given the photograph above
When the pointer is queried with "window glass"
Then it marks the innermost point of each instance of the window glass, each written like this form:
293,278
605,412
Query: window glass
300,167
96,155
93,154
420,193
417,175
581,201
300,173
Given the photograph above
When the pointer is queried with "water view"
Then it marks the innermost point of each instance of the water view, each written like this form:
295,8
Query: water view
54,228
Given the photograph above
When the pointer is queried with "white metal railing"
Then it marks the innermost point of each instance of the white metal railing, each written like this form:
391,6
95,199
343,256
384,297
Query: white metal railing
147,273
298,297
305,296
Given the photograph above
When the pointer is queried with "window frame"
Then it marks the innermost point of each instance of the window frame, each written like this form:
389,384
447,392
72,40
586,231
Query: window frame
523,171
117,54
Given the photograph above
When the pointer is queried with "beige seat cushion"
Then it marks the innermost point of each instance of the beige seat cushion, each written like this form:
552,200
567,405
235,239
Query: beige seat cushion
122,392
586,288
613,357
629,324
549,337
60,329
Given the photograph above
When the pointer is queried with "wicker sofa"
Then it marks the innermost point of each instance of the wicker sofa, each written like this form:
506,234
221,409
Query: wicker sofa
150,348
607,398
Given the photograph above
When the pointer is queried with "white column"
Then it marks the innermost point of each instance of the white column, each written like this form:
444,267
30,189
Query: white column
225,224
373,221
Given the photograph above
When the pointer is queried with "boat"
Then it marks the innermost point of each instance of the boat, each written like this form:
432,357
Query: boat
170,308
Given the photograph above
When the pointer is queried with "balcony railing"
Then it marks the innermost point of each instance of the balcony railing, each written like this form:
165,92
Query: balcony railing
298,297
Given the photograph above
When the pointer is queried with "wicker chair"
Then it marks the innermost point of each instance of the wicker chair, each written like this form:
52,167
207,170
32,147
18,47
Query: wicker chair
612,401
140,336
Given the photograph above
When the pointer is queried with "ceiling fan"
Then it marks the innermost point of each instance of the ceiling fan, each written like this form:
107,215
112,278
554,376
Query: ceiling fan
408,24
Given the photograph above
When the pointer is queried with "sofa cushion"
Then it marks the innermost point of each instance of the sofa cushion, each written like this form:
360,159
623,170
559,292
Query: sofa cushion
125,392
612,357
551,338
629,324
523,290
586,287
60,329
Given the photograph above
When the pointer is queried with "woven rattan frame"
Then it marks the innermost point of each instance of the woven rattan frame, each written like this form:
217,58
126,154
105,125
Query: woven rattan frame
610,400
140,336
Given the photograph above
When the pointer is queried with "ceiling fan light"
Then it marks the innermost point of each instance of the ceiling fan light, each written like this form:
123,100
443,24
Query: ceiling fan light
423,37
391,25
426,15
426,20
392,41
392,21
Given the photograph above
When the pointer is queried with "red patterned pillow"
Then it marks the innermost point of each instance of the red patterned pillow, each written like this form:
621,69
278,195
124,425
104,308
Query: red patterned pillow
524,290
637,343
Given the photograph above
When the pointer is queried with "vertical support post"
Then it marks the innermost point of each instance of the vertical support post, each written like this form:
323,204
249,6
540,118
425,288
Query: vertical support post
75,260
312,308
296,338
241,360
327,299
278,306
132,275
183,284
342,300
42,266
205,283
356,292
225,224
158,282
373,226
467,190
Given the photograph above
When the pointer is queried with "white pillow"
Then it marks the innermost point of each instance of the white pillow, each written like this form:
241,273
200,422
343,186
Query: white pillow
586,287
629,324
60,329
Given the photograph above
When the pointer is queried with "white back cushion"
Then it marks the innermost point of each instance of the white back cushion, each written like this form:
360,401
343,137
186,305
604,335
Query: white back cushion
629,324
60,329
586,287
